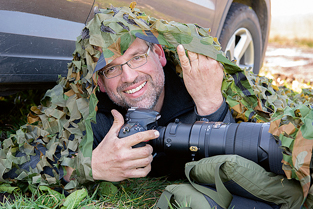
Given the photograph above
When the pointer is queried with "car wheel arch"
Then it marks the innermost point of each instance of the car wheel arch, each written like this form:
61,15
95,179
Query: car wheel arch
263,15
257,6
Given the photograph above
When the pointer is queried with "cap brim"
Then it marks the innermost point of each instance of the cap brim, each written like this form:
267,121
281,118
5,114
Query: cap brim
100,64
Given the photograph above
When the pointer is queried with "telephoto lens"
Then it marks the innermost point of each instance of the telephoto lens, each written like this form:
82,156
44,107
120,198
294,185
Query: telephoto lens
204,139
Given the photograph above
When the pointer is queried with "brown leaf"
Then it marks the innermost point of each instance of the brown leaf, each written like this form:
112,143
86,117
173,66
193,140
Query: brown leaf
69,93
274,127
35,110
32,118
132,5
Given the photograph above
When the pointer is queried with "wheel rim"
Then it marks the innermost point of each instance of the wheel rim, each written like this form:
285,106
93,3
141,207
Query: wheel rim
240,48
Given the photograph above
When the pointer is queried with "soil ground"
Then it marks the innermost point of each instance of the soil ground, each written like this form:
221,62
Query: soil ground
289,64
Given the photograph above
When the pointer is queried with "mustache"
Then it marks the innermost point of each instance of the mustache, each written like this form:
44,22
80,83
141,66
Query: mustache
137,80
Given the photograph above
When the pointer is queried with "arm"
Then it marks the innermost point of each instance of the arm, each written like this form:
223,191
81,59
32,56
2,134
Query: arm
222,114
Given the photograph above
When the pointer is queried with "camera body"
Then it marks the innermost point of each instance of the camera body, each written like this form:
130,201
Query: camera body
138,120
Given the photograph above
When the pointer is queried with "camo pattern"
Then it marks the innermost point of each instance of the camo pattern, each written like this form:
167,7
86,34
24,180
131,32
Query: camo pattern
62,123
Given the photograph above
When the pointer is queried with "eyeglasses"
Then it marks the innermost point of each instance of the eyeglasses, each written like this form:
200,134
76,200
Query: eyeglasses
133,63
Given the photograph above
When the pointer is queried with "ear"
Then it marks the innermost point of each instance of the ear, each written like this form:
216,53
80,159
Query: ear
101,84
158,50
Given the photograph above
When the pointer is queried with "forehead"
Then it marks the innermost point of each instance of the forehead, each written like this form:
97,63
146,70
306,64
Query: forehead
117,54
138,46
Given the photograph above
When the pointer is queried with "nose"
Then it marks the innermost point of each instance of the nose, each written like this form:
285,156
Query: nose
128,75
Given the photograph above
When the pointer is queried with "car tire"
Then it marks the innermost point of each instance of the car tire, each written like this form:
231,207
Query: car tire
241,37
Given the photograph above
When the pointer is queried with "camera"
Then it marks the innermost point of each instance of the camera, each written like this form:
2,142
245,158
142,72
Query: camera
204,139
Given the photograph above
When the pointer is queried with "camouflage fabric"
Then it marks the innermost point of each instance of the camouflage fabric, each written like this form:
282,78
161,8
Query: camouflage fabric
291,122
63,120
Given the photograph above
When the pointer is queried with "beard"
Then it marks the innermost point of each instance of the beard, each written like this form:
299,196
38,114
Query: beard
148,100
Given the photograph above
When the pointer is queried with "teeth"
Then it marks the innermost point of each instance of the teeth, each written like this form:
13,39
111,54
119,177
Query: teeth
136,89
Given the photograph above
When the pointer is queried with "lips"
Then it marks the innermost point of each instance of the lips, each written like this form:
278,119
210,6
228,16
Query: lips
132,91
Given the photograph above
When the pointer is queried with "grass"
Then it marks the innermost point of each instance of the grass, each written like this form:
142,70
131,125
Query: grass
297,42
132,193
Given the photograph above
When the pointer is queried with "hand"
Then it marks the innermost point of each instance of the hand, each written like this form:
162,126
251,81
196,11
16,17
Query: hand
114,159
203,78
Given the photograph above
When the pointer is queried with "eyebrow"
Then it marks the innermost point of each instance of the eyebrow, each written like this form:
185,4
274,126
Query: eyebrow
138,53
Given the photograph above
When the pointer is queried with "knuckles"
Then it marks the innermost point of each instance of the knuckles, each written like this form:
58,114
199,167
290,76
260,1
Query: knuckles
185,62
137,173
146,162
118,145
120,158
146,151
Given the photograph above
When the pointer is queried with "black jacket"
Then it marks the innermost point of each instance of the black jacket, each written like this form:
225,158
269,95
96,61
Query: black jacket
177,104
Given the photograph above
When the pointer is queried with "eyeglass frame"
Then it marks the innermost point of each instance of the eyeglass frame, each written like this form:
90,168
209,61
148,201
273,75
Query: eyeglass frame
101,72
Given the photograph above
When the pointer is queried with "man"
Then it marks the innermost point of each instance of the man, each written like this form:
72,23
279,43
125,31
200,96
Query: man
141,77
146,86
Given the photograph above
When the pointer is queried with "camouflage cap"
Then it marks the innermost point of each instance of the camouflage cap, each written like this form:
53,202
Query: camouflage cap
113,30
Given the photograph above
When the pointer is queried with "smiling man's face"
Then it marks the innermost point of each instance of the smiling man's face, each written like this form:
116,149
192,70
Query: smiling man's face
141,87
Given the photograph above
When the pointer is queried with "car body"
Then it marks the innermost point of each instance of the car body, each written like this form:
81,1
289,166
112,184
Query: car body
37,37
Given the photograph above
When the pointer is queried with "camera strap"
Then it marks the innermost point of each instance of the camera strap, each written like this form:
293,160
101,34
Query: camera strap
165,200
221,196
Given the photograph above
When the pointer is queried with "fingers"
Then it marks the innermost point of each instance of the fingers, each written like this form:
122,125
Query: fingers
190,63
134,163
184,61
138,163
118,121
140,152
139,172
137,168
142,137
182,55
193,57
114,130
194,62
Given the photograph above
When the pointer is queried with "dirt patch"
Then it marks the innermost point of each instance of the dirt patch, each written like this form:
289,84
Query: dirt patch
289,64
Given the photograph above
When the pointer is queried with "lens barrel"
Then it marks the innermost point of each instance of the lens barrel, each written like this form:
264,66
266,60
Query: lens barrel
205,139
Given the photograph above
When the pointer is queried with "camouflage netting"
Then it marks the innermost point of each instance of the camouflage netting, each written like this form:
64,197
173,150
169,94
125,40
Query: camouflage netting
63,120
